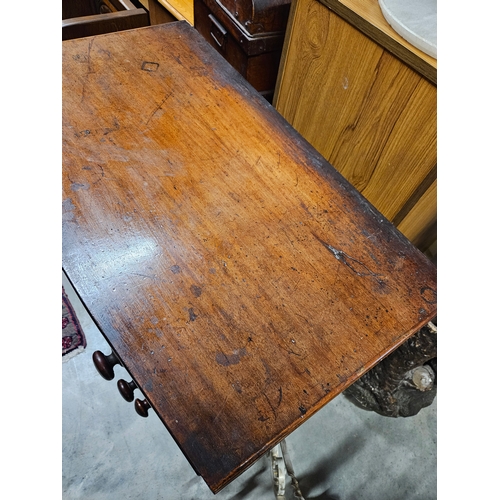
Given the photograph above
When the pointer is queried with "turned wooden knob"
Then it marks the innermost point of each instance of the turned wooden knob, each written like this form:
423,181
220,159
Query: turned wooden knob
127,389
104,364
142,407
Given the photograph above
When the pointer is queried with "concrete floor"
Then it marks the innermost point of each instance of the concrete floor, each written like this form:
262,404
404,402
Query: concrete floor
340,453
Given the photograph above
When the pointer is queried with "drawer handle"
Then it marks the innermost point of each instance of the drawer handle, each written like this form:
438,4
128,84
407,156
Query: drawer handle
126,389
142,407
219,34
104,364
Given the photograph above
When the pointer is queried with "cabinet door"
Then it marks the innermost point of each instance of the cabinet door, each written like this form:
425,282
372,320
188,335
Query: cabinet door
369,114
419,225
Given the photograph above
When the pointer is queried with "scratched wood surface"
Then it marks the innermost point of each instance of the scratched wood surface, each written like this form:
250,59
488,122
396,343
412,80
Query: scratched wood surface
240,279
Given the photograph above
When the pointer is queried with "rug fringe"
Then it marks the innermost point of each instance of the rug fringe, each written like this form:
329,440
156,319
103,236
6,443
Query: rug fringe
71,330
72,354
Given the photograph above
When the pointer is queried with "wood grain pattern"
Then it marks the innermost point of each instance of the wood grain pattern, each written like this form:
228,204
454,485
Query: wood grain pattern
366,16
369,114
422,215
241,281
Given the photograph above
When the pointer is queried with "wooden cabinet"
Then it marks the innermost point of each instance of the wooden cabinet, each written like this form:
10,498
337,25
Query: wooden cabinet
366,100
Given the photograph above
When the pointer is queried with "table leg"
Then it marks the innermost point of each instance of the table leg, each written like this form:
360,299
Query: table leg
281,464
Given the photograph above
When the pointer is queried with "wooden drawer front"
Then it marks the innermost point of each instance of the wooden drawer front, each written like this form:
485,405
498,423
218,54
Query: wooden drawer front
80,8
95,17
368,113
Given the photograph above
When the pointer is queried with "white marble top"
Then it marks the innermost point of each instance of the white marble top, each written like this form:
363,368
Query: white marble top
415,21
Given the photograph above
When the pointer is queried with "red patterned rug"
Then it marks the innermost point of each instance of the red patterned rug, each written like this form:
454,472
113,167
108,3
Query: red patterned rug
73,339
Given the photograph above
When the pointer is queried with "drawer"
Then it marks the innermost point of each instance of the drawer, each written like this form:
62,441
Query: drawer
83,18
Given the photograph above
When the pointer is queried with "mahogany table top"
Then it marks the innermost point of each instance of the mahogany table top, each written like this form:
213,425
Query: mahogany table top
242,282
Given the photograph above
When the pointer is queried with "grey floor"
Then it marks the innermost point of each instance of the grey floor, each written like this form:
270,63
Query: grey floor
340,453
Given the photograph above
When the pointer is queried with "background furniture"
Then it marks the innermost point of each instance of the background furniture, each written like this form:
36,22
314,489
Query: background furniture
249,34
83,18
366,100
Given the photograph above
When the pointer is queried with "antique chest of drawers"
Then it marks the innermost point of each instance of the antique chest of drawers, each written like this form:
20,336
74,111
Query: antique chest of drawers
249,35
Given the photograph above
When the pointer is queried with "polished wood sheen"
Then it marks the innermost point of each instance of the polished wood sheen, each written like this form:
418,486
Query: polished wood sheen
240,279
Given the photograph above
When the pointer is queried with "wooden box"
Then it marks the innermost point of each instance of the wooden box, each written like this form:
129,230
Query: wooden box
249,34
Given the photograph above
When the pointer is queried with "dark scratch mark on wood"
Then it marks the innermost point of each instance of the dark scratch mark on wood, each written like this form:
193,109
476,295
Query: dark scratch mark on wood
164,100
100,174
289,351
114,128
281,395
272,407
428,294
89,60
89,67
360,269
